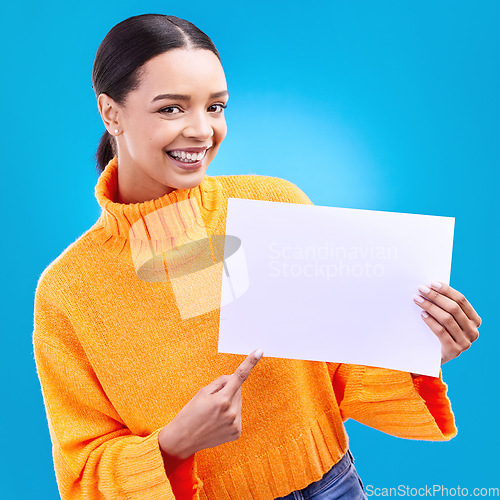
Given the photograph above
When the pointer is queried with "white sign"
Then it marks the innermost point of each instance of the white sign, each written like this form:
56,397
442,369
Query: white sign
332,284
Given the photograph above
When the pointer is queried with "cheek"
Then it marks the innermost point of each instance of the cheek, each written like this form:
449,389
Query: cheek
139,137
148,130
162,134
221,131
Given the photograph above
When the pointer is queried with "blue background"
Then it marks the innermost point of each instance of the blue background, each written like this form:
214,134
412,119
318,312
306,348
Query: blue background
364,104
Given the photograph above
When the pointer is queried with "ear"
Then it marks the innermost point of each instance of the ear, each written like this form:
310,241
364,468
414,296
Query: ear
108,109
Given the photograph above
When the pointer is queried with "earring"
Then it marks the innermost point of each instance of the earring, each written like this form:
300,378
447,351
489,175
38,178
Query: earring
116,131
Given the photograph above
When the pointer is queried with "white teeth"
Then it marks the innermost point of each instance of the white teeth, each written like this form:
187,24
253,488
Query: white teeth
187,157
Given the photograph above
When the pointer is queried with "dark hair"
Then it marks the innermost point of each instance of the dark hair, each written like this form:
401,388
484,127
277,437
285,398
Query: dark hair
129,45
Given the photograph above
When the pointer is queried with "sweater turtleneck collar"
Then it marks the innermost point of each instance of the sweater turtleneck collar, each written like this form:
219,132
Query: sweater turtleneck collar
197,206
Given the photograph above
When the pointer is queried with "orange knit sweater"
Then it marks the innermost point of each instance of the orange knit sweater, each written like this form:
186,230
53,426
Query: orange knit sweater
116,363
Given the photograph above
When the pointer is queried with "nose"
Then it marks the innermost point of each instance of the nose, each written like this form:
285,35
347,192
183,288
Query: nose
198,126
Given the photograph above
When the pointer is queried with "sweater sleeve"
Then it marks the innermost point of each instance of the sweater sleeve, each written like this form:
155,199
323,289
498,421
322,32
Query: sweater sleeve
393,402
95,455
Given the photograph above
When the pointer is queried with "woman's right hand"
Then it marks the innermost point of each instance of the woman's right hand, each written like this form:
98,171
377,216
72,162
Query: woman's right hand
211,418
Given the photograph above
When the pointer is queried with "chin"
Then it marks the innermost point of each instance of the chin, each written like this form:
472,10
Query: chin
191,180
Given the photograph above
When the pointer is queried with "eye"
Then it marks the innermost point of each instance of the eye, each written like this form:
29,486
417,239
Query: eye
219,108
170,110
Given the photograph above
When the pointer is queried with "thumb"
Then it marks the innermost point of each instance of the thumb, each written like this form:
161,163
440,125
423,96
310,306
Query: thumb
217,384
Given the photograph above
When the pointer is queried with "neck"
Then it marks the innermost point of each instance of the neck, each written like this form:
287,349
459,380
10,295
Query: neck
118,217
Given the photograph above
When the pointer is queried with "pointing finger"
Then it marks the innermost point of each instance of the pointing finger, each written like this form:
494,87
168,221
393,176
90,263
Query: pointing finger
241,374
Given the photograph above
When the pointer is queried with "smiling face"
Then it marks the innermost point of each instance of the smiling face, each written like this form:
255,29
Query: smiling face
169,128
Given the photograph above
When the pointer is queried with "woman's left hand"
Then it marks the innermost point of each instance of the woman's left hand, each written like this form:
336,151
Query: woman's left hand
450,316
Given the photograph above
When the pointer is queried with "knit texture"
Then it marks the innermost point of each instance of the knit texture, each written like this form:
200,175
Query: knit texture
116,363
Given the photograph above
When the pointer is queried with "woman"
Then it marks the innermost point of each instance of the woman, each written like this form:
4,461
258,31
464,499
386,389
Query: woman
138,400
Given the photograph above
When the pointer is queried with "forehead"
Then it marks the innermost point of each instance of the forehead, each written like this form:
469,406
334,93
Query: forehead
182,71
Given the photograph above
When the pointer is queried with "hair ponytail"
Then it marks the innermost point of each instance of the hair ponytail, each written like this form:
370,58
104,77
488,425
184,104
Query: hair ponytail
105,152
128,46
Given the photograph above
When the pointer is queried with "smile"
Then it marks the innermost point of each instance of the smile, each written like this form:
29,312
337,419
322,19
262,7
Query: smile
184,157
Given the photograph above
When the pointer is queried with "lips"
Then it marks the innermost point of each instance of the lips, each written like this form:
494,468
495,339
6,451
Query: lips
188,155
187,159
190,150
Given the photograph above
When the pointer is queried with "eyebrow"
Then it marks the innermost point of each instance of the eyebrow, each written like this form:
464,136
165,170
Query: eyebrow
183,97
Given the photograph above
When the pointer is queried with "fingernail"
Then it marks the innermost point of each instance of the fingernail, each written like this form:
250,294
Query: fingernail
418,298
436,285
424,289
424,314
258,354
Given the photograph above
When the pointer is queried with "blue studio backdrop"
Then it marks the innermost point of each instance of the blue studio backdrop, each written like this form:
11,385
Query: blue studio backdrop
364,104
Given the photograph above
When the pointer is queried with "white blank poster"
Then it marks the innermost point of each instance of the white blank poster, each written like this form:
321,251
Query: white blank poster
332,284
